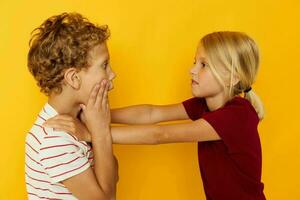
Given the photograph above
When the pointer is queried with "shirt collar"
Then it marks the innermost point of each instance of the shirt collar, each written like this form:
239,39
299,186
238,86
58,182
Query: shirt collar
49,111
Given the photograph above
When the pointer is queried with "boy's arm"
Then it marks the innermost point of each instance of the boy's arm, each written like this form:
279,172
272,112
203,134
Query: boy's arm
105,166
104,177
68,164
192,131
148,114
99,183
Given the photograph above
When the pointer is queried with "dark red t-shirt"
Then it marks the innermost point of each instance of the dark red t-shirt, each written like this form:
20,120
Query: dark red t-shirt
231,167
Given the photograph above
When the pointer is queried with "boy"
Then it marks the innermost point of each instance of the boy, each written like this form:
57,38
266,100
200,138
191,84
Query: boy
69,59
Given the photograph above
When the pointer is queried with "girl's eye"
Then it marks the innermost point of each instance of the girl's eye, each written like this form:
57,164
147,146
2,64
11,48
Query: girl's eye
203,64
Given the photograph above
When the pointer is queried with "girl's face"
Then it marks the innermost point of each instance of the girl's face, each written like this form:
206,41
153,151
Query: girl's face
204,83
98,70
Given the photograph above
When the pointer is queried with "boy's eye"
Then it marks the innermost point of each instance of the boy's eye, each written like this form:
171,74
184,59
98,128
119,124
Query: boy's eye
105,65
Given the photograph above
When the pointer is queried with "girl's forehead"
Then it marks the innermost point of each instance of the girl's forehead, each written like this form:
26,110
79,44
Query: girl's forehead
200,53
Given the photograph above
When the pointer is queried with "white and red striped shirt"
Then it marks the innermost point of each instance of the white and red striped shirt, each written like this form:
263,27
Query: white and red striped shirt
51,157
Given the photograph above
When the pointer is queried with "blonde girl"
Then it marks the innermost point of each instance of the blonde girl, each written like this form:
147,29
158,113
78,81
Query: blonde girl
224,113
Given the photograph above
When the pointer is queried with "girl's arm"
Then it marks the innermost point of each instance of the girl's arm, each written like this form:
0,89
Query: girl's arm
193,131
148,114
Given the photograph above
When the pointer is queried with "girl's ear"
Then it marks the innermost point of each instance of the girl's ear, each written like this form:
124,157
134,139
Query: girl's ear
235,80
72,78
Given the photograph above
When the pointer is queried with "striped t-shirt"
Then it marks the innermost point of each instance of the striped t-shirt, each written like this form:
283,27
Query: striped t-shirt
51,157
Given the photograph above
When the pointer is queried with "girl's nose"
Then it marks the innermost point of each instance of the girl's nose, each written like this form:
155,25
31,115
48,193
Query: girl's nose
193,70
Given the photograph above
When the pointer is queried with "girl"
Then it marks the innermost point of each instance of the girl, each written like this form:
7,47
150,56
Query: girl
224,122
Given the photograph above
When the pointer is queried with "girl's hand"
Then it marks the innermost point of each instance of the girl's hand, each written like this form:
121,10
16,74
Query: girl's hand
97,112
70,125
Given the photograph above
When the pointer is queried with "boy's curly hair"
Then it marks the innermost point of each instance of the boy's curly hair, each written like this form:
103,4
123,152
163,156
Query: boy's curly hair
61,42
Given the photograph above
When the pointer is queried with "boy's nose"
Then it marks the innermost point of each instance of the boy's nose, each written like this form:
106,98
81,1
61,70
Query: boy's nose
112,75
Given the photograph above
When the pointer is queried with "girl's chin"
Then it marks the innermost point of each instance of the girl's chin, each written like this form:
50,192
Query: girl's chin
196,94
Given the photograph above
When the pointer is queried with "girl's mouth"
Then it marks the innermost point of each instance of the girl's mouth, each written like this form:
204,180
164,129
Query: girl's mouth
194,82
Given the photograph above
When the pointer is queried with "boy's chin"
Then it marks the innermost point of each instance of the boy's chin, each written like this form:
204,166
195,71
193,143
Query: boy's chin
111,87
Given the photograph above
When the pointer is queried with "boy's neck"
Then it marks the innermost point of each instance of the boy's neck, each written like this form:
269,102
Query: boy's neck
64,104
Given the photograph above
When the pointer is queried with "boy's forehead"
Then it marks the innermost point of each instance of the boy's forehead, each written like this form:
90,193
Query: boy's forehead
99,51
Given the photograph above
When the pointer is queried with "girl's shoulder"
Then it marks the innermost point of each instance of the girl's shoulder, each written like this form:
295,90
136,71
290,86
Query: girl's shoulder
241,104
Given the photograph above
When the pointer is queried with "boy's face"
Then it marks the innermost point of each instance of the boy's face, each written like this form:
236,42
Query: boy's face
99,69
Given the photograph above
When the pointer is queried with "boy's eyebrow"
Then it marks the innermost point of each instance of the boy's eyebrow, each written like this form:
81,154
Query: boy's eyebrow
203,59
105,61
107,57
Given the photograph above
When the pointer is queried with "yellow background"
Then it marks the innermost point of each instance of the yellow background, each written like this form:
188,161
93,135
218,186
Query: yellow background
152,48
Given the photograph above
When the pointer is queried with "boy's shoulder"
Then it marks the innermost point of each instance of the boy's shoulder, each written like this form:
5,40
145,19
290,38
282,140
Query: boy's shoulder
39,135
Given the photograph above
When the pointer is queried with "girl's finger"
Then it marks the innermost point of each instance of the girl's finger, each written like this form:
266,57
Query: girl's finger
61,117
59,123
63,127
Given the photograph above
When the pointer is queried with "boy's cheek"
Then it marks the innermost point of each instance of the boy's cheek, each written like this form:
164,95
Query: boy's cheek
111,85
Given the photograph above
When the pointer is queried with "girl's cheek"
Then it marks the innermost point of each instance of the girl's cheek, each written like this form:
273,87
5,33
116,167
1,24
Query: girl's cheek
200,76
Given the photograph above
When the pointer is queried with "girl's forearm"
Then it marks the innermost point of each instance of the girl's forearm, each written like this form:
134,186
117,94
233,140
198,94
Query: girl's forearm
138,114
189,131
139,134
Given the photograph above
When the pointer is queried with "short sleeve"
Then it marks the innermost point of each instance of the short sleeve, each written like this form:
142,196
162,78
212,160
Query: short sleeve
62,157
235,125
194,107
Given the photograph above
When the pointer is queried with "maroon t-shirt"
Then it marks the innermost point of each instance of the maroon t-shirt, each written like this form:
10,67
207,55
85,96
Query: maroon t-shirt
230,167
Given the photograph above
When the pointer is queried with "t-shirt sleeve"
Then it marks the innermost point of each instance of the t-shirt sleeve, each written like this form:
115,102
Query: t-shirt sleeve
194,107
62,157
231,124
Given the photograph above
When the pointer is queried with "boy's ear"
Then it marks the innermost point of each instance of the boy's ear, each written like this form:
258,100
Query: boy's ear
72,78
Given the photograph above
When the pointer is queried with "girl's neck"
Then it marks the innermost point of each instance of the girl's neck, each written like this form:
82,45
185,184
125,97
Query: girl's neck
217,101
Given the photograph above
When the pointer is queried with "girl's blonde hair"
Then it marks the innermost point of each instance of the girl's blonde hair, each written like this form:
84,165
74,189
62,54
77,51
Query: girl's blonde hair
237,55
